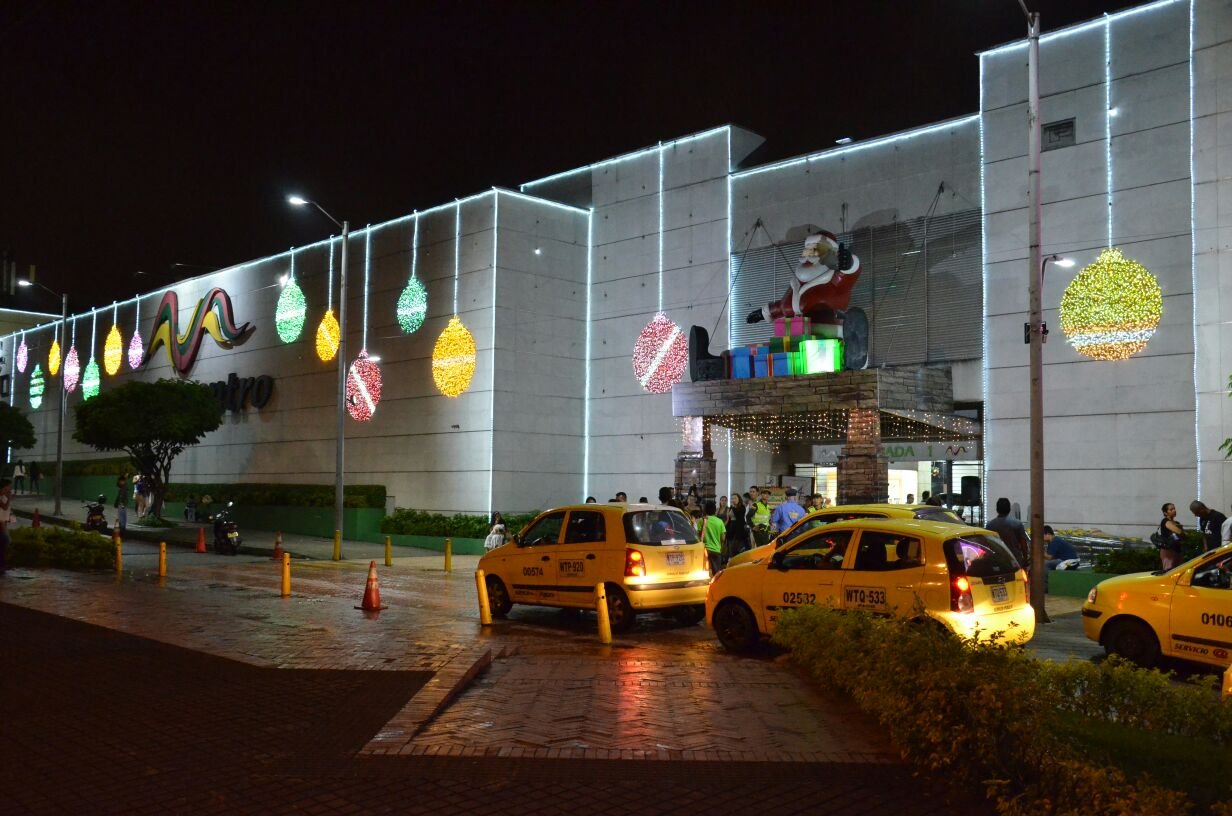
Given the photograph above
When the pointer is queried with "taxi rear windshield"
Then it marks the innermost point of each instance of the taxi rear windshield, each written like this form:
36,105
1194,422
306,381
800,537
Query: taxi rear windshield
938,514
979,556
659,527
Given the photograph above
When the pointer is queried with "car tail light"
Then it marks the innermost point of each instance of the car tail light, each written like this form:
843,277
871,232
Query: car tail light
635,563
960,595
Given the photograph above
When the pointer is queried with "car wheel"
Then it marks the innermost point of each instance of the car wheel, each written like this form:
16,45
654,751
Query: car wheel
689,615
619,613
498,597
1134,641
735,626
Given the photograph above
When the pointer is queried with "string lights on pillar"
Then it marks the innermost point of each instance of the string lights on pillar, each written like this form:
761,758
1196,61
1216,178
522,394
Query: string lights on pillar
363,389
23,355
453,356
113,348
91,379
136,349
661,351
413,302
72,364
292,309
328,332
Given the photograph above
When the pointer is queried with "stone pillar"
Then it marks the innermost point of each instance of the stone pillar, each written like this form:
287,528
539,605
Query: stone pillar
863,473
695,463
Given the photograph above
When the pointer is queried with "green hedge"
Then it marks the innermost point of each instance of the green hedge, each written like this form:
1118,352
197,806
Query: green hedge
280,495
1144,559
418,522
112,467
982,717
59,547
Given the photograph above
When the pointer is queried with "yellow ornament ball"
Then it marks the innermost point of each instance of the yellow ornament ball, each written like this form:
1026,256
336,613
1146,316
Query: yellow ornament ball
453,359
113,351
327,337
53,358
1110,310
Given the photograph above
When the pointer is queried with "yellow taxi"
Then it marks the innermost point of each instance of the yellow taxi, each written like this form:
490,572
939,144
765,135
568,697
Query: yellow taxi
962,577
1184,613
648,557
843,513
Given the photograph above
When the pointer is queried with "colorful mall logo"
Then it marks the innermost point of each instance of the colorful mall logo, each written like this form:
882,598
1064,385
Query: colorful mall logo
213,316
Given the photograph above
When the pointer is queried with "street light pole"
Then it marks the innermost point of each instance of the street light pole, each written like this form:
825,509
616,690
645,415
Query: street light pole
340,419
63,407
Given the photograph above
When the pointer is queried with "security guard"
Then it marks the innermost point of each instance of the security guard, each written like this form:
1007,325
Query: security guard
787,513
759,517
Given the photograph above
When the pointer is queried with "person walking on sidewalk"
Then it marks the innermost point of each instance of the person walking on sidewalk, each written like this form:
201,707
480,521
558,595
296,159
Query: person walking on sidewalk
710,528
6,497
35,476
1012,533
19,477
122,490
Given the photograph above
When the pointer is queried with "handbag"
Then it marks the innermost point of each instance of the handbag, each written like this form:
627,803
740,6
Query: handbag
496,538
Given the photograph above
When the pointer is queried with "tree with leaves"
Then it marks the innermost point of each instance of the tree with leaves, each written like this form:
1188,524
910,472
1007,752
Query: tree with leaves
15,429
153,422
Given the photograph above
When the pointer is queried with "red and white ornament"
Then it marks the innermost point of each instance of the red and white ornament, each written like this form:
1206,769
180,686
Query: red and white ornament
660,355
363,388
72,370
23,356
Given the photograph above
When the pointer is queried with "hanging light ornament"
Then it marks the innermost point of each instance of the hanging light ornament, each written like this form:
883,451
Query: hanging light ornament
136,349
453,358
90,378
53,357
36,387
328,332
363,388
1111,309
113,346
661,351
72,370
23,355
292,309
413,302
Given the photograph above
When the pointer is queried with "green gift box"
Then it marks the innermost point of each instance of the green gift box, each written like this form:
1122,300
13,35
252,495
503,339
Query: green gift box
821,356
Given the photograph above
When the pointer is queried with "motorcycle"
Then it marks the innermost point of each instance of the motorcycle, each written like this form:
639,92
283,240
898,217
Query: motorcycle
227,539
96,519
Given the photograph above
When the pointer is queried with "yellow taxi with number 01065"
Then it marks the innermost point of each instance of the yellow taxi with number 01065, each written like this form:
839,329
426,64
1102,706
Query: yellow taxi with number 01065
1184,613
964,578
648,557
845,512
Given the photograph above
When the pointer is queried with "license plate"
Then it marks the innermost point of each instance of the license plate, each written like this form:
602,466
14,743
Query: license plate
233,535
999,593
675,559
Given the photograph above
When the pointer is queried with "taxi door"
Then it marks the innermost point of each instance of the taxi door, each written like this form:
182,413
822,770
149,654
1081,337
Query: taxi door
806,571
1201,614
580,558
533,567
884,575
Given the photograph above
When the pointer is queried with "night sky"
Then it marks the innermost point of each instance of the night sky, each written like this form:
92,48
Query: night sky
140,135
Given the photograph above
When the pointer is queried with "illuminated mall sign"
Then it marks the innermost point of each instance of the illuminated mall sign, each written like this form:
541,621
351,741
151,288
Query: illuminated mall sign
237,392
214,316
968,451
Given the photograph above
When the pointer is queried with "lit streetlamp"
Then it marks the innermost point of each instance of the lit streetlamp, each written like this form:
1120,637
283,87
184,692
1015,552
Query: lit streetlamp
340,431
26,282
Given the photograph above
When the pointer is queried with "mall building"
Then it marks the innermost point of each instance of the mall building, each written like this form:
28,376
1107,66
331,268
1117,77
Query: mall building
558,284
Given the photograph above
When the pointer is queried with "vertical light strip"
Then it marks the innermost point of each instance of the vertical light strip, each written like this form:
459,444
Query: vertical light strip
731,239
492,381
415,246
660,226
590,254
984,316
457,248
292,277
93,330
1108,116
367,272
1193,263
329,281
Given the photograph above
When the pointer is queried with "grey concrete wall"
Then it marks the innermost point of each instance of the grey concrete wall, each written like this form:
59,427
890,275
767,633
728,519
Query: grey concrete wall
1119,435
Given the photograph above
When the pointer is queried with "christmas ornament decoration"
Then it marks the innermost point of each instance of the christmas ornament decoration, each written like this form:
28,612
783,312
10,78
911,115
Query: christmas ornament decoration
453,358
291,309
90,380
113,351
660,355
328,335
36,387
136,348
363,388
214,316
23,355
412,306
1111,309
53,357
72,370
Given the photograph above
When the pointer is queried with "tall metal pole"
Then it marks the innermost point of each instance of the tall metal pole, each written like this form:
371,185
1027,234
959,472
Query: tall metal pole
342,375
63,405
1035,319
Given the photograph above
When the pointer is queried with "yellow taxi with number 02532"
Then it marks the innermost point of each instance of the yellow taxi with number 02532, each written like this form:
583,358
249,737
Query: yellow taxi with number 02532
844,512
962,577
649,558
1184,613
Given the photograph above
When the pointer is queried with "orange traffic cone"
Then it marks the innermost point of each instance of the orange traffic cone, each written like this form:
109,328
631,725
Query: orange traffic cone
372,592
201,540
36,520
277,556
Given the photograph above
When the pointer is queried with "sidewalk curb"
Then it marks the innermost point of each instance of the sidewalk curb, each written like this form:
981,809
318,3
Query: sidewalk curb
447,683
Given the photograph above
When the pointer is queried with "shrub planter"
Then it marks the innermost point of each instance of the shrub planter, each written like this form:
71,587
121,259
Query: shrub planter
461,546
1074,583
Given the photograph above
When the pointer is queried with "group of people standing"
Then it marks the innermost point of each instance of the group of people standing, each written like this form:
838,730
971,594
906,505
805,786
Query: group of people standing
1215,527
21,471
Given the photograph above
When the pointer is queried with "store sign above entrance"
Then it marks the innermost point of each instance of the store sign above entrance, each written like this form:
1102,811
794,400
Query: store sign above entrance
214,316
957,451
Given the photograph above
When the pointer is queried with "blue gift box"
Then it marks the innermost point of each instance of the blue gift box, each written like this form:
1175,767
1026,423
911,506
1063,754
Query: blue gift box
741,363
782,364
761,366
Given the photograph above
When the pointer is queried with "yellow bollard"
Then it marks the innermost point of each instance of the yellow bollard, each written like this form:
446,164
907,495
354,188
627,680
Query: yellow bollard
485,606
449,555
389,551
162,559
286,574
119,556
337,545
605,623
1227,683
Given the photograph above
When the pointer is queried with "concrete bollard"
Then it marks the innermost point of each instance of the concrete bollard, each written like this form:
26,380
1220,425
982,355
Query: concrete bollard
449,555
605,623
389,551
162,559
286,574
337,545
485,605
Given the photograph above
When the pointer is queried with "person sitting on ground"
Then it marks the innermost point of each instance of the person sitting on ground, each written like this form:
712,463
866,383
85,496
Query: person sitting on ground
1057,549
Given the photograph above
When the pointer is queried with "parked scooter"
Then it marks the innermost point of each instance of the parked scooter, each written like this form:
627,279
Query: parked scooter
227,539
96,519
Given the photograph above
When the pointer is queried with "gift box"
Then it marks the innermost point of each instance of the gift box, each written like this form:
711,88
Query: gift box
793,326
784,345
780,364
741,363
821,356
761,366
797,363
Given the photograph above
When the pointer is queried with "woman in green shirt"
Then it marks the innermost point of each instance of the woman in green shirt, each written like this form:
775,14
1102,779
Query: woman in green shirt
713,532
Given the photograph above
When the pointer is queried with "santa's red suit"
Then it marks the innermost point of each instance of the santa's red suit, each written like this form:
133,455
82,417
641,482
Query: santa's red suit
820,287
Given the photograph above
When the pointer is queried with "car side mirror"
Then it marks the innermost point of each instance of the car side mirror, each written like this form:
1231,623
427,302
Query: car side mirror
1186,578
776,561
